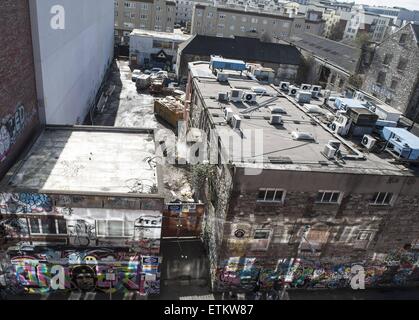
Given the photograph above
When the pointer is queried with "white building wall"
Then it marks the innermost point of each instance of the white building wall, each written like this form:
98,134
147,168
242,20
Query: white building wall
71,62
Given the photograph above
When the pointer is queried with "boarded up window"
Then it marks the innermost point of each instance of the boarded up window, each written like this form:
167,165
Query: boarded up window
314,240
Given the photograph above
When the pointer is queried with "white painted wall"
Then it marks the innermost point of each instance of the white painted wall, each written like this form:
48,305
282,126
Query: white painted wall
71,63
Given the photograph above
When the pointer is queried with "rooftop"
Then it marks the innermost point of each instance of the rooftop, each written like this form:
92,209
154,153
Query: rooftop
339,54
87,160
242,48
176,36
281,150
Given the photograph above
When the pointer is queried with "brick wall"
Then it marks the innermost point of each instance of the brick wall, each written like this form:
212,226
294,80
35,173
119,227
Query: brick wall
17,82
401,96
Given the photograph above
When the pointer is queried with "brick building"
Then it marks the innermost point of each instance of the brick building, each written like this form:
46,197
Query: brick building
394,75
280,209
18,100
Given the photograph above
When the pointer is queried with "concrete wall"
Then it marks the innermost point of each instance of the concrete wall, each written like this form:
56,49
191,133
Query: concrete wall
19,110
70,63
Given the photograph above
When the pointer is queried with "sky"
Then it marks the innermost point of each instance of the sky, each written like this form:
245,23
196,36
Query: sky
408,4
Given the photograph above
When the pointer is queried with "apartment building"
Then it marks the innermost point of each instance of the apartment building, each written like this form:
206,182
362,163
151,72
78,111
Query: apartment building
393,75
184,10
19,112
280,208
223,21
361,22
155,15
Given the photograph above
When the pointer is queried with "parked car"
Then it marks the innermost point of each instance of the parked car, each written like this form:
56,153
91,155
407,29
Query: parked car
147,71
155,70
135,74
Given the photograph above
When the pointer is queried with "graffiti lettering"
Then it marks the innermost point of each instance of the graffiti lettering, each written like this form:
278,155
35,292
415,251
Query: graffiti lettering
11,127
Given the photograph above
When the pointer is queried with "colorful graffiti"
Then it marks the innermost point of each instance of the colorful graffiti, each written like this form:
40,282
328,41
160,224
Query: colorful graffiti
239,274
11,128
14,203
41,269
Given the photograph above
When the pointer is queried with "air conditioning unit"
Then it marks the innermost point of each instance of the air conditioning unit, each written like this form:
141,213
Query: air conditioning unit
303,96
335,144
222,76
284,86
329,152
315,91
359,96
249,97
228,113
293,91
275,119
236,95
305,87
368,141
341,126
222,96
236,121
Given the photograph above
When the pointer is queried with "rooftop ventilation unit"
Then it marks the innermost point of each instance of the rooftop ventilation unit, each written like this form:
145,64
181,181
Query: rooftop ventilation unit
222,96
236,95
228,112
368,141
236,122
341,126
303,96
315,91
335,144
249,97
284,86
277,110
259,90
305,87
293,91
222,76
307,136
313,108
329,152
275,119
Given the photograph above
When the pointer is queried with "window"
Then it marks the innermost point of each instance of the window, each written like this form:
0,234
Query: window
402,64
129,4
394,84
403,38
244,19
387,59
271,195
262,234
328,197
199,13
382,198
47,225
221,16
116,229
381,79
254,20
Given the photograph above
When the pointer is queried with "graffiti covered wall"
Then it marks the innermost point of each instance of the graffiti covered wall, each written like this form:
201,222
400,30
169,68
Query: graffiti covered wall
242,273
45,269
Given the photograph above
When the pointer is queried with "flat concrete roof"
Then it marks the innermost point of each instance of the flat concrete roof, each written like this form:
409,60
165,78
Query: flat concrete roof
174,36
88,160
278,141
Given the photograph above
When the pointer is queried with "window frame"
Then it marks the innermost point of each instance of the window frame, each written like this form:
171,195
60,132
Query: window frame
324,192
376,195
107,235
41,229
266,190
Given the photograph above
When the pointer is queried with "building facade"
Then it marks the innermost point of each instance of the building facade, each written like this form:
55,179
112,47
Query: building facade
19,106
66,234
291,218
155,15
72,53
223,21
155,49
393,74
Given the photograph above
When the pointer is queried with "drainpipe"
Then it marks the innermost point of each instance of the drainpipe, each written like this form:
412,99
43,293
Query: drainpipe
187,100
